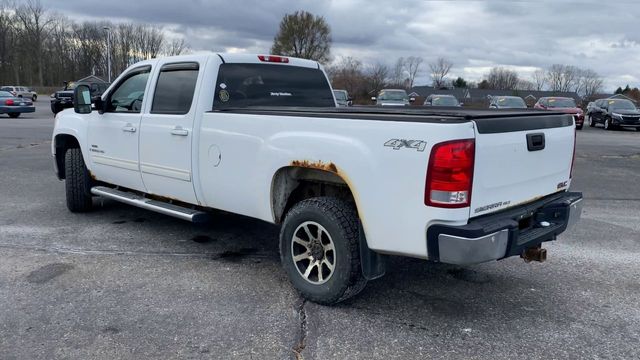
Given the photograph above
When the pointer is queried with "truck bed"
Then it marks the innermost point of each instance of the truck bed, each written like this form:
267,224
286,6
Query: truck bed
487,120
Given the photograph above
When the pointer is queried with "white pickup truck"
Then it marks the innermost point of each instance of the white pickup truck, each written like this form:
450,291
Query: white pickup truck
261,136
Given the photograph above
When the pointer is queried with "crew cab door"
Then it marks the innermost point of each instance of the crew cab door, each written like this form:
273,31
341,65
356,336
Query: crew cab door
113,135
167,132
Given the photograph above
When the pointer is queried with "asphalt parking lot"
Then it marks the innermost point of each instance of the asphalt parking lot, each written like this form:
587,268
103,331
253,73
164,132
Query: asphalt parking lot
121,282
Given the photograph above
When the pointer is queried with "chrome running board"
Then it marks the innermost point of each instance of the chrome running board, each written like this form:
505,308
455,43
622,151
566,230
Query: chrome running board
179,212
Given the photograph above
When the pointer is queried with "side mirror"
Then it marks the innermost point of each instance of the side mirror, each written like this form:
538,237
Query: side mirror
412,99
82,99
373,98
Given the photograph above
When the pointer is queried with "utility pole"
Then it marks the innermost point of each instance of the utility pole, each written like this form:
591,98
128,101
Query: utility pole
108,30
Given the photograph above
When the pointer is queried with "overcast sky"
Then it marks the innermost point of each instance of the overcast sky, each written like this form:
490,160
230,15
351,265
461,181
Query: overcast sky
474,35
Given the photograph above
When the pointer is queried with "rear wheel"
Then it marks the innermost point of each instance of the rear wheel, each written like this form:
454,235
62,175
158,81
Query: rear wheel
77,182
319,250
13,115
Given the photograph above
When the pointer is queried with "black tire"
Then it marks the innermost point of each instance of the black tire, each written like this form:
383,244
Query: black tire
55,108
592,123
34,97
579,127
340,220
607,124
77,182
13,115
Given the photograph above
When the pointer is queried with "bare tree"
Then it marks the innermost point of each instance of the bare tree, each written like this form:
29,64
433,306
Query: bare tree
540,79
525,85
439,70
35,23
398,76
175,47
347,74
377,77
412,67
562,78
303,35
500,78
592,82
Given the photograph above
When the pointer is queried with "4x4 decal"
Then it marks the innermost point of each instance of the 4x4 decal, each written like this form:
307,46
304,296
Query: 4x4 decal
397,144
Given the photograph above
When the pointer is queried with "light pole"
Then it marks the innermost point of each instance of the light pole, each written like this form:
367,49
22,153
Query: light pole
108,30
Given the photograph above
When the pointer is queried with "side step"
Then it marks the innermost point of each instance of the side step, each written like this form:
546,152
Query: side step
179,212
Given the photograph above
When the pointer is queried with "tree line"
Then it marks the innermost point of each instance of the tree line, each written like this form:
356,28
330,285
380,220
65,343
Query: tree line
302,34
41,48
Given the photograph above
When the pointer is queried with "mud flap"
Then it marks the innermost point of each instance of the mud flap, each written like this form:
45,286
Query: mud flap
373,264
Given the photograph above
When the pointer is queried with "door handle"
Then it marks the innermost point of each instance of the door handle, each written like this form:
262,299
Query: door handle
179,131
129,128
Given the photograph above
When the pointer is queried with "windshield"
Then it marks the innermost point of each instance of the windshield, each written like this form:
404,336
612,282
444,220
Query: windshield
5,94
340,95
511,102
621,105
394,95
444,101
561,103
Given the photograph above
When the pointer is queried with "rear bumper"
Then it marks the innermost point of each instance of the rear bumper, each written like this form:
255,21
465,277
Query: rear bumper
17,109
505,234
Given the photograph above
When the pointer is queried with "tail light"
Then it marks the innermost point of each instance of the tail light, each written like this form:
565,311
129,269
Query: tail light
573,160
450,174
273,59
8,102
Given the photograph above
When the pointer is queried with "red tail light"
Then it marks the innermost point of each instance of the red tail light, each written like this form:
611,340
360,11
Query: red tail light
450,174
273,59
573,160
8,102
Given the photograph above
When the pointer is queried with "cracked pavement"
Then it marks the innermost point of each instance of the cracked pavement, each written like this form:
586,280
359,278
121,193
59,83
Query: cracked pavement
125,283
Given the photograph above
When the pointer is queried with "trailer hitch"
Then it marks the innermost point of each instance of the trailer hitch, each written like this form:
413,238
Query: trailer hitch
535,253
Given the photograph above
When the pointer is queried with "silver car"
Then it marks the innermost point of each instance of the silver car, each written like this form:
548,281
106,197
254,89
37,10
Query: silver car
20,91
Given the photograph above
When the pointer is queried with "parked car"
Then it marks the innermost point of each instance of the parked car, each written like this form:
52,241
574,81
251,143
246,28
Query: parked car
63,99
615,113
346,185
13,105
391,97
20,91
34,94
342,98
442,101
507,102
563,104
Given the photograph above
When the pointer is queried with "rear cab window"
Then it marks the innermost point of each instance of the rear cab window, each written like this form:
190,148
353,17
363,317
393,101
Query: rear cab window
247,85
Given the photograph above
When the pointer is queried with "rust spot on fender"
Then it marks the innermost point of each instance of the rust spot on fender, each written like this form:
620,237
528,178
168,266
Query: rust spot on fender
320,165
92,176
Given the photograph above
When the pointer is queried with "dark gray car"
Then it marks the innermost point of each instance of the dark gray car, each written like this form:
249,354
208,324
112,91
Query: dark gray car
615,113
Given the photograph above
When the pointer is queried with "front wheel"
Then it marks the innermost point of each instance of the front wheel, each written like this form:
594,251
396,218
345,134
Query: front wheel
591,122
607,124
319,250
34,97
13,115
77,182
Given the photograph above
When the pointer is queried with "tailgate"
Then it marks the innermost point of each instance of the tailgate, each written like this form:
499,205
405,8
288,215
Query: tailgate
520,159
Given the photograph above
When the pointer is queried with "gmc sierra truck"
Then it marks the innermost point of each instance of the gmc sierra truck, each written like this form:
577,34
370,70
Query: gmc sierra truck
261,136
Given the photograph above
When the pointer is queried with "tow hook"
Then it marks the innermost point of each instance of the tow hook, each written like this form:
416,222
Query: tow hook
536,253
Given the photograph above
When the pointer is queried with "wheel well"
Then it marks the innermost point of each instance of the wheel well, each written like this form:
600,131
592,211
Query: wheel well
63,142
293,184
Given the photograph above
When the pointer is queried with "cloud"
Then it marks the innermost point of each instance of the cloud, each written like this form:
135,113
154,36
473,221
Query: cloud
474,35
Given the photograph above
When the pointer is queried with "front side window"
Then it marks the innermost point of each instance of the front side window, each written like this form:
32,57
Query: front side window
175,88
246,85
128,96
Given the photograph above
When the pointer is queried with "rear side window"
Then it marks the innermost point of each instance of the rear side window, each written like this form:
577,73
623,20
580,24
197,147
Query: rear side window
175,88
245,85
